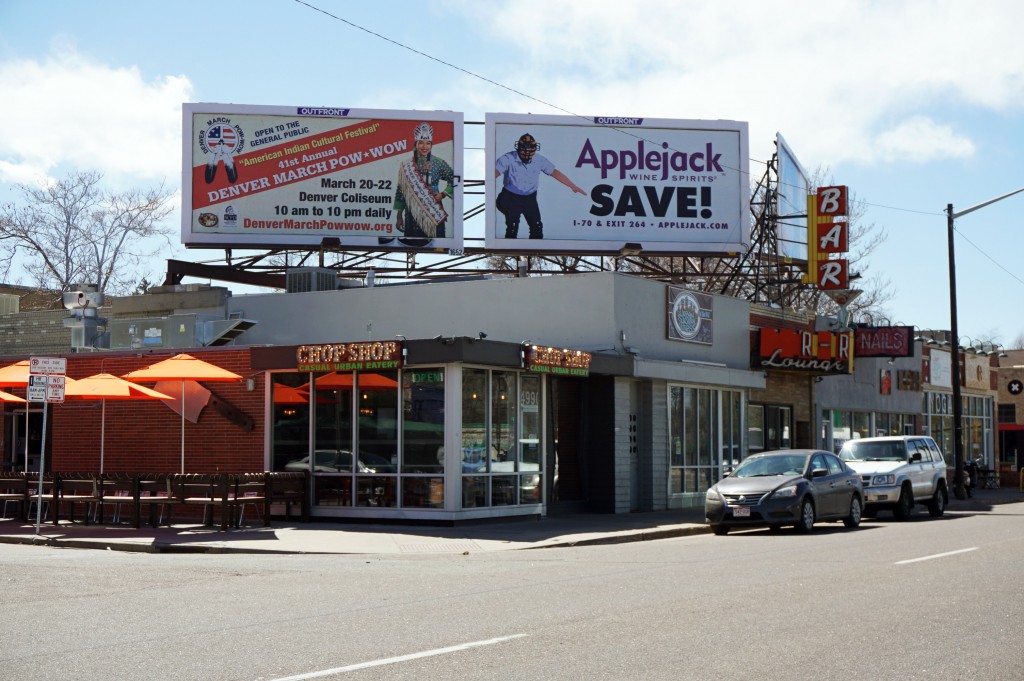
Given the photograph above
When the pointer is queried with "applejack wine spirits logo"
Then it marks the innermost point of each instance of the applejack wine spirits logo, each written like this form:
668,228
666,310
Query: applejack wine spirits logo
220,141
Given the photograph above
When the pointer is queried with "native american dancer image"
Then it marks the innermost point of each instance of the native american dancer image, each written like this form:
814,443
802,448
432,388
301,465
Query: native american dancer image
419,211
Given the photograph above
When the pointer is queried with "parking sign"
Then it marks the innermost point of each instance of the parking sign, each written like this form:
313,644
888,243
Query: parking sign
47,365
55,388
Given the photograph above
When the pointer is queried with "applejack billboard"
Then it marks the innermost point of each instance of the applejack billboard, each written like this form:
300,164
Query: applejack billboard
275,176
612,184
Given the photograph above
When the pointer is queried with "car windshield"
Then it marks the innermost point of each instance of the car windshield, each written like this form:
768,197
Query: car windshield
873,451
756,466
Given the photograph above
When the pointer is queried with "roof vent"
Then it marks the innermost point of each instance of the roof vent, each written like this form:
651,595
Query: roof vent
306,279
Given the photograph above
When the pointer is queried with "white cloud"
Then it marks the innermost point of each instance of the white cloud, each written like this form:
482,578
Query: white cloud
921,140
827,75
70,110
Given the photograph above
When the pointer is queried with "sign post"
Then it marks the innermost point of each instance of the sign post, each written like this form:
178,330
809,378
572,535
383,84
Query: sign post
46,384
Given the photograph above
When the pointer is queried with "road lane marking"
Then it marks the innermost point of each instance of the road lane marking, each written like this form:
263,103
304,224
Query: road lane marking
937,555
400,658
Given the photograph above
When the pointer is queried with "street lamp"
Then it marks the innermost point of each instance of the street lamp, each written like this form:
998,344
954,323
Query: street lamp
958,408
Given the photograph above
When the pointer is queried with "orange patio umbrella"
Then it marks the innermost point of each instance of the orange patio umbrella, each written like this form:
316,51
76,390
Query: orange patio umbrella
16,376
8,397
109,387
367,381
286,394
181,368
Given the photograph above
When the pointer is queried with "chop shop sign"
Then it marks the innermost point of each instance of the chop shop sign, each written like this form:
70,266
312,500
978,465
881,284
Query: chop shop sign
808,352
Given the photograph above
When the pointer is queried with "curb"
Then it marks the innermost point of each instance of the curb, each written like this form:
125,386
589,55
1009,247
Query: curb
626,538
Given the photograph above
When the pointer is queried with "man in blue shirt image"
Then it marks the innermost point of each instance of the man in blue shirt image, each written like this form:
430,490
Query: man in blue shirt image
520,170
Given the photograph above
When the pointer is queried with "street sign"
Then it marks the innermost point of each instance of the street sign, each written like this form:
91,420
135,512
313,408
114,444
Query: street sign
36,388
55,388
47,365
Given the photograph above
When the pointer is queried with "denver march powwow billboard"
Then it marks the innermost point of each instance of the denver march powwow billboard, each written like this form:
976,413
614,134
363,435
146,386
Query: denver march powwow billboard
275,176
604,184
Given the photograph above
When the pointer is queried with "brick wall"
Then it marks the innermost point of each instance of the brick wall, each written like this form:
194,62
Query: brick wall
34,333
145,436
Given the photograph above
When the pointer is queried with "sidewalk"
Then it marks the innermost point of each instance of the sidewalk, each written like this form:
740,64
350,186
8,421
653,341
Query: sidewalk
345,538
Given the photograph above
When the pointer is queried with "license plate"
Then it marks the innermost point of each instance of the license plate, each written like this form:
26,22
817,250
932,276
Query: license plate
741,512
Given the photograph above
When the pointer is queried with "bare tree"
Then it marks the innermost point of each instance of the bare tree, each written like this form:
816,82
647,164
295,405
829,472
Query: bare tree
71,231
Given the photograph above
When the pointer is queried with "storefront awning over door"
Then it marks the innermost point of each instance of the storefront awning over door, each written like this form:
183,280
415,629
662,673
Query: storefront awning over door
698,372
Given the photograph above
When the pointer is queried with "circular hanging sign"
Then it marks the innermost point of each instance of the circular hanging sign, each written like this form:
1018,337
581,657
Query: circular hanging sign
1015,387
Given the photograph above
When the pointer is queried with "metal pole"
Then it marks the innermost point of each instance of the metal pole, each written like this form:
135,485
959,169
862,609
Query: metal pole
959,491
42,460
25,434
183,427
958,407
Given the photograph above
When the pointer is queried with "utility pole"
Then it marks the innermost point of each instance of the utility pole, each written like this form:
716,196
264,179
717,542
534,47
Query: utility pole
959,490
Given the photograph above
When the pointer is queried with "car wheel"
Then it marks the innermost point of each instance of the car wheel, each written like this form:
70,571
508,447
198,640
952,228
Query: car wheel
806,522
853,520
720,530
905,504
937,504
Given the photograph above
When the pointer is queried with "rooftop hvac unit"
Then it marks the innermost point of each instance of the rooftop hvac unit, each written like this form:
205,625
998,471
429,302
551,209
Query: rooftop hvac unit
305,279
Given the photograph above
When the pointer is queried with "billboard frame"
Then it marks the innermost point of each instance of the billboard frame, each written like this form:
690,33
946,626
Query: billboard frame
632,236
374,177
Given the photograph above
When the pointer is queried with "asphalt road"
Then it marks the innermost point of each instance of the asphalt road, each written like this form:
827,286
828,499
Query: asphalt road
928,599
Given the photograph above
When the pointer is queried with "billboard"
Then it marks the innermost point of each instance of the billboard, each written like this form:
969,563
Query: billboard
616,185
793,188
275,176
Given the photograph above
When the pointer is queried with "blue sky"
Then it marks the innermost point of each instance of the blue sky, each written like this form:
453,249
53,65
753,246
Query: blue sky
911,104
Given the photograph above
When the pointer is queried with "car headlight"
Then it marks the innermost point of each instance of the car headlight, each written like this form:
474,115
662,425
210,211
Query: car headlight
782,492
712,495
887,479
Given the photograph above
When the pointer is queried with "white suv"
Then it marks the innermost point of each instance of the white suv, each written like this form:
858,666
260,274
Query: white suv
898,472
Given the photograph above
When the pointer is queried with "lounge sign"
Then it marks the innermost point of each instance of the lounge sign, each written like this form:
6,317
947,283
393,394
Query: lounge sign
556,361
349,356
812,352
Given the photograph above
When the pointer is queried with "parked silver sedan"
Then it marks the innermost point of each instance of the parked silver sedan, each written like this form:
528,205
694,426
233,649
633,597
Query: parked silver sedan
786,487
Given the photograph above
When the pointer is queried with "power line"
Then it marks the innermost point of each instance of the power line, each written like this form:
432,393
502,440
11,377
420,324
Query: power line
626,132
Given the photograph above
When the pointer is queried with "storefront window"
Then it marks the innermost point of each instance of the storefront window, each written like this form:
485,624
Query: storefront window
697,433
332,437
475,458
976,422
423,421
289,436
755,427
773,429
732,410
395,422
529,440
501,438
377,397
861,424
503,420
423,438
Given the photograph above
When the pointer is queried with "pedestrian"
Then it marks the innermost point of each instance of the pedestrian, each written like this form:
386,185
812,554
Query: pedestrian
520,170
